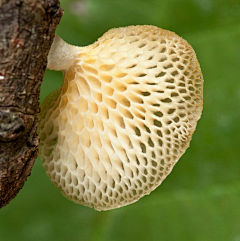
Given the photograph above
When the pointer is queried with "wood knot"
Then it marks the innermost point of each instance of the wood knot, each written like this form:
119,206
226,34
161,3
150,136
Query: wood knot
11,126
14,124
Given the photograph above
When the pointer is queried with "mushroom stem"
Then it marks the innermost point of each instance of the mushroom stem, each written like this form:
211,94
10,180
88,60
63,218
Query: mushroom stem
62,55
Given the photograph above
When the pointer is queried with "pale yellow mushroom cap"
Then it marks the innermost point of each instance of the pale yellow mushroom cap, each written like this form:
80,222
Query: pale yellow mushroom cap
124,116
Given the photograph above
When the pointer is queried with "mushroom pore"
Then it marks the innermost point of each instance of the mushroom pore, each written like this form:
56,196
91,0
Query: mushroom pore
123,117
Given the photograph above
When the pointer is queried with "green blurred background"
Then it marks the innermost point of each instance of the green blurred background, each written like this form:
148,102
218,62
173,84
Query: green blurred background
200,200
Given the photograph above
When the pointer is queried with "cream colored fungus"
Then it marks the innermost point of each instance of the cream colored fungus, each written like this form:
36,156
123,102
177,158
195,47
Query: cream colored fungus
124,116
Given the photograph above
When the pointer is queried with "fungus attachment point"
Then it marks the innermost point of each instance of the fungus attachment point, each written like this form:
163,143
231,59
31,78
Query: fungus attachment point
62,55
124,116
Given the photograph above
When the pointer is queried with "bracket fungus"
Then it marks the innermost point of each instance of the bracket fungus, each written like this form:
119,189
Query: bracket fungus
123,117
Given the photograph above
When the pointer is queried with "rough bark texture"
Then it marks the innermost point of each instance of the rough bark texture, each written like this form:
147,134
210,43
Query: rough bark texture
27,29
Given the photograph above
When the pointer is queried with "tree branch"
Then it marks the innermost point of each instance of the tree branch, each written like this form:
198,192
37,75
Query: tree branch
27,31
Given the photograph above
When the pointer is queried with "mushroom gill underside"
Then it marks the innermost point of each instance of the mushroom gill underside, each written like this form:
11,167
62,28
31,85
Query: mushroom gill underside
123,117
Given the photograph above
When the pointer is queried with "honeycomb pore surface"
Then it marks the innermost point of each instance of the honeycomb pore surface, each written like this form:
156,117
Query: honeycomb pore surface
124,116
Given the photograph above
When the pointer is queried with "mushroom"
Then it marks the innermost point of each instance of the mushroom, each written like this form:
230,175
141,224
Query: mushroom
123,117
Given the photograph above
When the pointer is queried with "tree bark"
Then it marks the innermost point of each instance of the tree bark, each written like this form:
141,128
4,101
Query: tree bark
27,29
